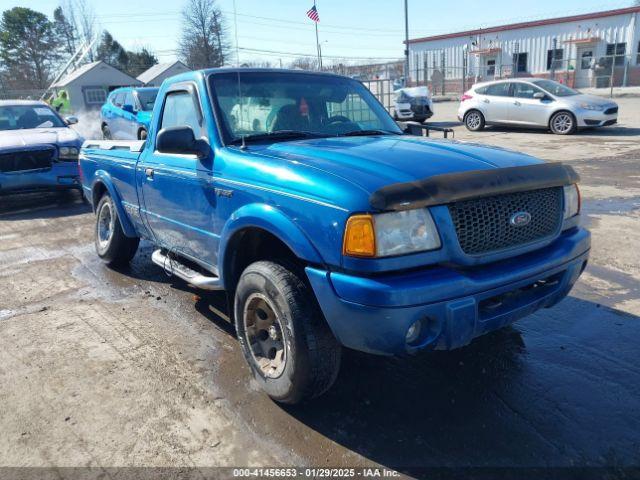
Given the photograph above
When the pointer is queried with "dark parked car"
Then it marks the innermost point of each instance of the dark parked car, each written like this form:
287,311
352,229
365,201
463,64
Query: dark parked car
38,150
127,113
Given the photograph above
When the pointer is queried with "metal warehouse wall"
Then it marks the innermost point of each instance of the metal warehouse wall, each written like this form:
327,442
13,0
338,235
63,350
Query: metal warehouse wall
535,41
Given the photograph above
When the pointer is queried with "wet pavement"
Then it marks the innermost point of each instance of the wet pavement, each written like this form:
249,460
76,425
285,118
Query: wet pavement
149,373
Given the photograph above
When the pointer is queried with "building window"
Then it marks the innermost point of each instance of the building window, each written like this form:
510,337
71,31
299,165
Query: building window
617,51
638,59
94,96
520,62
554,58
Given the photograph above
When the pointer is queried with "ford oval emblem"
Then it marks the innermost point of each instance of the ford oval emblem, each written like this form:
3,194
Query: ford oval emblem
520,219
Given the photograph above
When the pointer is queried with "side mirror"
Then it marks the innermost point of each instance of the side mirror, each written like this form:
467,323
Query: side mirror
182,141
539,96
128,108
71,120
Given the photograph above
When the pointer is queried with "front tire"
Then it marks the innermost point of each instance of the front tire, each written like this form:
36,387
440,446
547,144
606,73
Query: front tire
291,351
112,245
106,133
474,120
563,123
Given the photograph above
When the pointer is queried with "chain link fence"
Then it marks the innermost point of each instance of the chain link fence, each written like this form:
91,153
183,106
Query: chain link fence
450,78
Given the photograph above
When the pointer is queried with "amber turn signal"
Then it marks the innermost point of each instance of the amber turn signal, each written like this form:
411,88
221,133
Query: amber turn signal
359,237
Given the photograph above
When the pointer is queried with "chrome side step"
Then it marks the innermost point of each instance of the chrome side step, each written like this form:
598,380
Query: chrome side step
173,266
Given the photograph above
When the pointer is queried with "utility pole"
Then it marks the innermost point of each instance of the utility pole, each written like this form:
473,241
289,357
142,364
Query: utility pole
406,42
318,41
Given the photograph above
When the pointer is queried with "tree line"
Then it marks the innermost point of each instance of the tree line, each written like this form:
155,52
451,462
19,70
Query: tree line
34,47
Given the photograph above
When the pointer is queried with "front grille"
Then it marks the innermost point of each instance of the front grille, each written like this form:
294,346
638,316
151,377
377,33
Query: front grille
26,160
484,225
611,111
420,109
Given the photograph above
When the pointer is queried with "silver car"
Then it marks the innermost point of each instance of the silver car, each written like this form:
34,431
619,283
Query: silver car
534,103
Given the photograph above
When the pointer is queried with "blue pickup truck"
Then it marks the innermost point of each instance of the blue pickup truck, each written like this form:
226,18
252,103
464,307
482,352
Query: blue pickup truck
126,114
329,226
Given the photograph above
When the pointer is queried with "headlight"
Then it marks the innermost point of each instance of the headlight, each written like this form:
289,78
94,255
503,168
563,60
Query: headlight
69,153
588,106
389,234
571,201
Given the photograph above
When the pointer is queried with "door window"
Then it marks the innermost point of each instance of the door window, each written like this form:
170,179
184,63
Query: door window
585,59
128,99
491,67
118,98
524,90
181,109
498,90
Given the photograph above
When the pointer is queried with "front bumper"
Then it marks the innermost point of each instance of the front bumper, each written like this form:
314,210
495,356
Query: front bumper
61,176
373,314
590,118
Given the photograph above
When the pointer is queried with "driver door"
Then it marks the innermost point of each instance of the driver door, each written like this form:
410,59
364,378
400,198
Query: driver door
178,193
526,109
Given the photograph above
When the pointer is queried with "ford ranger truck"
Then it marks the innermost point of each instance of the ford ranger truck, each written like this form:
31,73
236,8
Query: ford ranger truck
330,227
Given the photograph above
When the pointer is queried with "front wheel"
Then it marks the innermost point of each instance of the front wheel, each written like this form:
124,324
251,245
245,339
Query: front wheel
474,120
291,351
112,245
563,123
106,133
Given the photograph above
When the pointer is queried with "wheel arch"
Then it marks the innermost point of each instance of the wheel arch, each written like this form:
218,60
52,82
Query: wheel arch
102,184
259,231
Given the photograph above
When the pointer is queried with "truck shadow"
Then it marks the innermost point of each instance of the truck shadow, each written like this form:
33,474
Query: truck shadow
561,388
29,206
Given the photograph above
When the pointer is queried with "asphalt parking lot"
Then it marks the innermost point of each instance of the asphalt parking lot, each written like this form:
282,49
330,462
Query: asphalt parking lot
105,368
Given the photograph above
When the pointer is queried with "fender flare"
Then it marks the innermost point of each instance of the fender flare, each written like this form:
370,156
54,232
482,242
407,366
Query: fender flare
271,220
103,178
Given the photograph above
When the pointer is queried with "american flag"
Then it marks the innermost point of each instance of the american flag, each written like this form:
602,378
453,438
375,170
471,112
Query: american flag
313,14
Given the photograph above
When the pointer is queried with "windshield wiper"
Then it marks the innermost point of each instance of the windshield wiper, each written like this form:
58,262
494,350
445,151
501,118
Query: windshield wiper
277,135
362,133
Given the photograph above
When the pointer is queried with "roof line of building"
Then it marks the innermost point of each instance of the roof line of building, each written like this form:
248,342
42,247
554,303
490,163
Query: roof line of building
533,23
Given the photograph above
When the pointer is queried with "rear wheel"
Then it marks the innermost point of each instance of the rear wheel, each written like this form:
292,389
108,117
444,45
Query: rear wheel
474,120
563,123
106,133
283,335
112,245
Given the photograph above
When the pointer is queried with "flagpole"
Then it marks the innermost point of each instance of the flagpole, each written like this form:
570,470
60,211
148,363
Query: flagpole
317,41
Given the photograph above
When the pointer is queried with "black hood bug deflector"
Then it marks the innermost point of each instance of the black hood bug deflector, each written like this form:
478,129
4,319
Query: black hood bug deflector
455,187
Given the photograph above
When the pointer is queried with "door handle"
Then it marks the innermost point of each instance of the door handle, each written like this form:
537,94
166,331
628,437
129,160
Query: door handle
149,173
517,103
486,100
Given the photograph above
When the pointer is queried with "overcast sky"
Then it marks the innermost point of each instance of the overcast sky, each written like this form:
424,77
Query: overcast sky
356,29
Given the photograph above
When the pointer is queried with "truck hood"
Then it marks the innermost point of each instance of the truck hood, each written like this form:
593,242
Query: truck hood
376,161
12,139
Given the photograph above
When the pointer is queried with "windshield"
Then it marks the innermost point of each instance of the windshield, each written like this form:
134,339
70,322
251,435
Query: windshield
16,117
256,105
147,98
555,88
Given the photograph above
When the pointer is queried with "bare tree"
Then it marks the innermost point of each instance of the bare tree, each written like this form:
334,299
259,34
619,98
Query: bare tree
203,43
85,17
304,63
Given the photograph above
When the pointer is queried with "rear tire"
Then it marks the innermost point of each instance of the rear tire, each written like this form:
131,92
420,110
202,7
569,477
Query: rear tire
289,347
563,123
112,245
106,133
474,120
